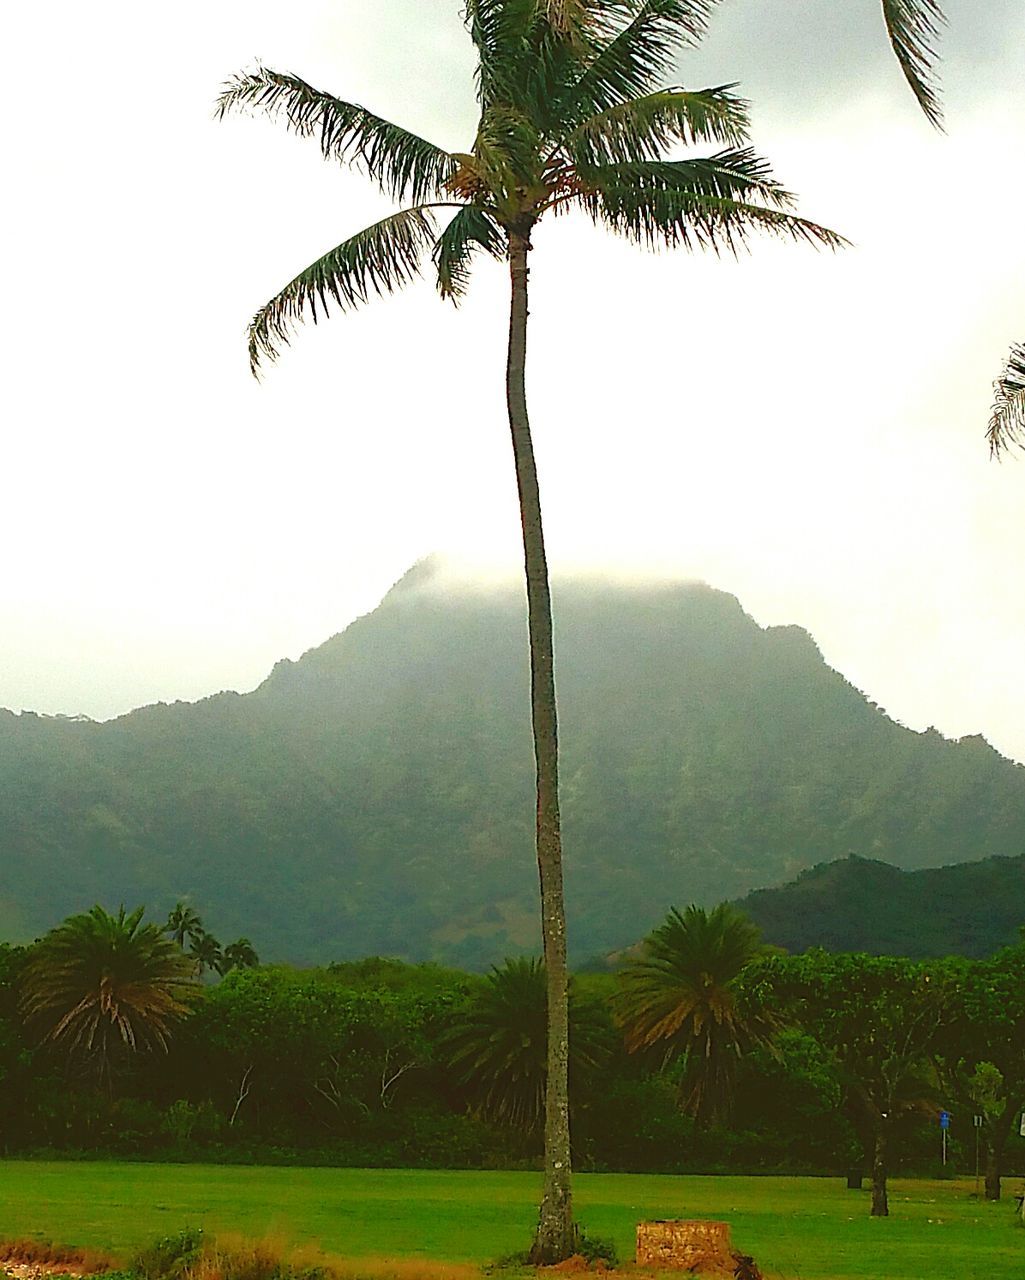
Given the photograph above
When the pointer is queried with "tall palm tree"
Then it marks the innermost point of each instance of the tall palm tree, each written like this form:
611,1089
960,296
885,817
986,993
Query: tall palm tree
574,115
498,1047
679,997
1007,420
100,984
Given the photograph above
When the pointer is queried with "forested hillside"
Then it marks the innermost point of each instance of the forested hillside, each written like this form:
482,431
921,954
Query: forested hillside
376,796
858,904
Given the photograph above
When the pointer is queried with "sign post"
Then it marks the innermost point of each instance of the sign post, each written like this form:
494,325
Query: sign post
978,1121
944,1126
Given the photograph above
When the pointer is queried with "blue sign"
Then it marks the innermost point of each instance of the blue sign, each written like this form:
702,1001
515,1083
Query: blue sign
944,1119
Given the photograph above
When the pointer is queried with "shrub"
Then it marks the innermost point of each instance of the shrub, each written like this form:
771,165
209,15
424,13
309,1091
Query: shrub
170,1257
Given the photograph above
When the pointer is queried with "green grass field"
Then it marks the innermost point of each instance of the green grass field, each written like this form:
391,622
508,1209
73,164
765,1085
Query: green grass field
797,1228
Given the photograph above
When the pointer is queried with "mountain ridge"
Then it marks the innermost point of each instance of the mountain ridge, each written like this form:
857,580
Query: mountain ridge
376,794
860,904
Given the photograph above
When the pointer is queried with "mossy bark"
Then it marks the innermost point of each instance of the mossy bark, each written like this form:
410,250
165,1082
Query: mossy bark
556,1236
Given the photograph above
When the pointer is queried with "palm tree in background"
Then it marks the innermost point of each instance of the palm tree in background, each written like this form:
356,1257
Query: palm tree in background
498,1048
205,953
99,985
183,922
678,997
1007,420
575,115
240,954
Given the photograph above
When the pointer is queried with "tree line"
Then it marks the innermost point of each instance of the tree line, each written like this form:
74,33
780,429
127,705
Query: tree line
704,1051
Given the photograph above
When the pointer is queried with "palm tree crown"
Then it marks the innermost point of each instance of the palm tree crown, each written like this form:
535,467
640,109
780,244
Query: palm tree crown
498,1047
240,954
679,997
100,982
205,952
183,922
574,115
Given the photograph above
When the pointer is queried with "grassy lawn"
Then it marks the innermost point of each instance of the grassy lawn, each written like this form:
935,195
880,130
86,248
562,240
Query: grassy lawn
797,1228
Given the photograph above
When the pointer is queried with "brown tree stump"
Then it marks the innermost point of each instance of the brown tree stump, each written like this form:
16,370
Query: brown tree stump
681,1245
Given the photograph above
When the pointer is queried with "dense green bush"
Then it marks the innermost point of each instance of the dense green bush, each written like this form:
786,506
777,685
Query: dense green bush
347,1066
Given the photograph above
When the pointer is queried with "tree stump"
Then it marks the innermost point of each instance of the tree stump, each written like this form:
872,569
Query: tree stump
681,1245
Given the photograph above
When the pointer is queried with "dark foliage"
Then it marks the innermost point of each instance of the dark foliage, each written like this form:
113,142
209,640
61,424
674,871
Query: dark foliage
858,904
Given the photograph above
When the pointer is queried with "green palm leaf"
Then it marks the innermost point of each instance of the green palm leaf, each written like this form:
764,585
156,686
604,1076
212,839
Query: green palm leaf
471,231
643,128
378,260
1007,421
708,203
633,62
405,165
913,26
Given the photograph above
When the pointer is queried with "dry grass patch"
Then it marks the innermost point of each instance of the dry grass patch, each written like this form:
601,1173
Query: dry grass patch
43,1258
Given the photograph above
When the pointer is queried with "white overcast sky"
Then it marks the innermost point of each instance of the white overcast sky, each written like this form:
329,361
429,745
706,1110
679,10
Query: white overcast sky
803,430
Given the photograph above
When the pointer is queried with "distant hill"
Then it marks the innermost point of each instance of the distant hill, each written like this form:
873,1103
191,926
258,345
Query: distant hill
857,904
376,795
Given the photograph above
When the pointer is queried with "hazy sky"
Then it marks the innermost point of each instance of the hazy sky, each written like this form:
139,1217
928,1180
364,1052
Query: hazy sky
803,430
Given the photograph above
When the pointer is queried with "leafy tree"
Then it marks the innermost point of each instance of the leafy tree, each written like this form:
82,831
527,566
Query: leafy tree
982,1056
679,997
498,1046
880,1019
183,922
574,114
102,984
1007,420
240,954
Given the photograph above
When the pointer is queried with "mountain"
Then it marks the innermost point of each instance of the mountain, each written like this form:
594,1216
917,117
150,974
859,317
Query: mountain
858,904
376,795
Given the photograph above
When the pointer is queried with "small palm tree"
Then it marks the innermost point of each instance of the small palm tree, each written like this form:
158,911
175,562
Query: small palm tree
240,954
498,1050
678,997
1007,420
101,984
183,922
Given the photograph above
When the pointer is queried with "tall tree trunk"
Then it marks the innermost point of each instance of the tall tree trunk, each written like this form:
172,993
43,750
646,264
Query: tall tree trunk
556,1236
996,1134
880,1204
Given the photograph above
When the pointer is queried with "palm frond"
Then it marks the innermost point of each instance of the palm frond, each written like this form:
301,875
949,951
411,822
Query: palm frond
643,128
472,230
1007,421
99,982
913,26
711,203
379,260
406,166
531,51
632,63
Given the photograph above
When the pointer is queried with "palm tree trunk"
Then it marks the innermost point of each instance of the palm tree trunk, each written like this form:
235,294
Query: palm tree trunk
555,1237
996,1134
880,1204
